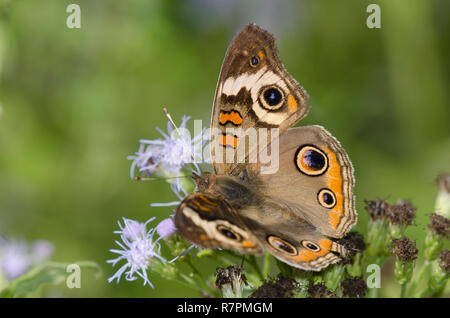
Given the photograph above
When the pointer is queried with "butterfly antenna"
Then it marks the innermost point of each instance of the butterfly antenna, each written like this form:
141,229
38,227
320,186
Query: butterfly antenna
137,178
166,112
170,119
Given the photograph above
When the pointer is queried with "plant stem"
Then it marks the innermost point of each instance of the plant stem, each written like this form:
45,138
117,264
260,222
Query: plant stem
423,293
266,267
187,281
194,269
373,293
403,291
252,262
200,280
418,278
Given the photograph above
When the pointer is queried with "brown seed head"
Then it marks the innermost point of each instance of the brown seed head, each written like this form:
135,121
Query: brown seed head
405,249
440,225
320,291
282,287
354,287
402,213
445,260
376,208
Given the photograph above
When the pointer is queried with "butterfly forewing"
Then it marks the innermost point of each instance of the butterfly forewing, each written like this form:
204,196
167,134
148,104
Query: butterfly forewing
254,91
209,221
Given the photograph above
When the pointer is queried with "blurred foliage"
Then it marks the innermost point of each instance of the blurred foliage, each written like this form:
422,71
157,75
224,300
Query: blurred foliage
75,102
47,273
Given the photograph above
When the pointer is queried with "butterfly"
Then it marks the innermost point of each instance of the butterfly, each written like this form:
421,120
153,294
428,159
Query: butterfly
297,213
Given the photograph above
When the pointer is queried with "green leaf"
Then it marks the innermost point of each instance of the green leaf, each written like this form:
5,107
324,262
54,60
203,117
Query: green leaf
47,273
285,269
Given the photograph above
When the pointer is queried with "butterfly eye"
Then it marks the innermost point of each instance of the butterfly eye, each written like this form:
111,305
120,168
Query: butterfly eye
228,233
282,245
254,61
311,161
272,98
326,198
310,246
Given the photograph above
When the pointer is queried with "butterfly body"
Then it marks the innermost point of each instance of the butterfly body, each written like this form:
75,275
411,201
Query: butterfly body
295,212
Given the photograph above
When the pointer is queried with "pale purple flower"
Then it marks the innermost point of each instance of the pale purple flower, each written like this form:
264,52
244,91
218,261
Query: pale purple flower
41,250
166,228
16,257
132,229
15,260
138,251
167,155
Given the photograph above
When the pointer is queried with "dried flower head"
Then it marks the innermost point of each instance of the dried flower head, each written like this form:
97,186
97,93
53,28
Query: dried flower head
444,258
354,287
282,287
376,208
405,249
440,225
230,281
402,213
320,291
353,243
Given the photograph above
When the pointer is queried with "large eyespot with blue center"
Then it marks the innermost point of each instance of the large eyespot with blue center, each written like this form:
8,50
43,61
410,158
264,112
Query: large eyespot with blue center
271,97
311,160
310,246
281,245
326,198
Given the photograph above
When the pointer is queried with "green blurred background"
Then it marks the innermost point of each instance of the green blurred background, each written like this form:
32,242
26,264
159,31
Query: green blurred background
75,102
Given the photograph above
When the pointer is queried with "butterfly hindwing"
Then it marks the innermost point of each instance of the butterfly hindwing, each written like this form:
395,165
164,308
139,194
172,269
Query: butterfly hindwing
315,177
290,238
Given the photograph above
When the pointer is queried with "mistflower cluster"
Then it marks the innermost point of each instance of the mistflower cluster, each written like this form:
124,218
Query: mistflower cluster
17,257
167,155
166,228
139,249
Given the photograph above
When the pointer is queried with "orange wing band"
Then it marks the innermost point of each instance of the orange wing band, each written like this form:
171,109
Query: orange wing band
230,117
